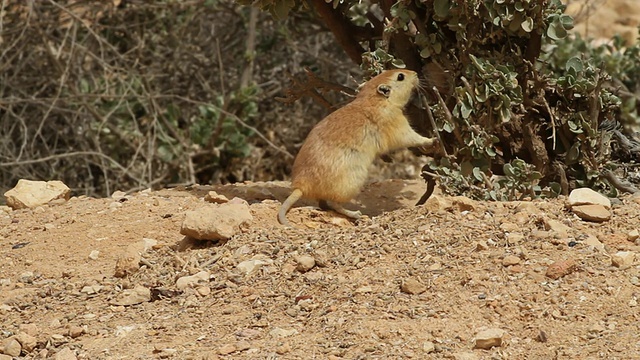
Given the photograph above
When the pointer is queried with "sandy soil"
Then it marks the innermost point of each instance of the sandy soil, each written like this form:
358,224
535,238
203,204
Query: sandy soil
482,265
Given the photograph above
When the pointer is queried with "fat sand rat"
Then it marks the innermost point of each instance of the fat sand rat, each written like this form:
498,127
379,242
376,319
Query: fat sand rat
333,164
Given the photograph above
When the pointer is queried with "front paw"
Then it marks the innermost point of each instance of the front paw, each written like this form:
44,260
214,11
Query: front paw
429,147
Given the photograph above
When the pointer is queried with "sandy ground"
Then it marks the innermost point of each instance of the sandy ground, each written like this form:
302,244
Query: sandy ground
478,265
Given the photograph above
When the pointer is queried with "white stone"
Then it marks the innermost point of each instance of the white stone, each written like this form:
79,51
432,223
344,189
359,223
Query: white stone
216,222
586,196
190,281
247,267
30,194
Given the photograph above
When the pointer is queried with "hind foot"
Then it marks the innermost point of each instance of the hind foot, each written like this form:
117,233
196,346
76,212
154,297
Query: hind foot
325,205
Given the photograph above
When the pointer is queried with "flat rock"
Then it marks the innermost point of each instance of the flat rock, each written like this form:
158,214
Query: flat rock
11,347
216,222
30,194
561,268
594,243
248,267
227,349
27,341
467,355
137,295
486,339
31,329
428,347
595,213
412,286
586,196
65,354
556,226
510,260
193,280
633,235
623,259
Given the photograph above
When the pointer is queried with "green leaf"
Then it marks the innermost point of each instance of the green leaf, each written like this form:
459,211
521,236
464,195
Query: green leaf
556,31
508,170
448,127
465,110
441,8
567,21
281,9
574,64
477,173
527,25
573,153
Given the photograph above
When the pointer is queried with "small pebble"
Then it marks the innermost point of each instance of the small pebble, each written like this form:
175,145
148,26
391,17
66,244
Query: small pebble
561,268
412,286
227,349
623,259
510,260
486,339
305,263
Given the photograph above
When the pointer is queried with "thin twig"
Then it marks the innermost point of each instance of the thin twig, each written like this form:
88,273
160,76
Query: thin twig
618,184
425,103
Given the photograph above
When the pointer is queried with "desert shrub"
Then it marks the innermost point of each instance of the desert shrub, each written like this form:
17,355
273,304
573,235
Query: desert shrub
524,110
129,94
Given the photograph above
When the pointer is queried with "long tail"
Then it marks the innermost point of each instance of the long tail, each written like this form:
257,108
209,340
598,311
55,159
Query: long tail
286,205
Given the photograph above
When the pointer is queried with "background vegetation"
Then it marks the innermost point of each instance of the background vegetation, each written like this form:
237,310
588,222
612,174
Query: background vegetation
109,95
121,94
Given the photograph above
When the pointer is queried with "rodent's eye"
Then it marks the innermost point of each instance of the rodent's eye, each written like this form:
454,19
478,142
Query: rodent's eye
400,77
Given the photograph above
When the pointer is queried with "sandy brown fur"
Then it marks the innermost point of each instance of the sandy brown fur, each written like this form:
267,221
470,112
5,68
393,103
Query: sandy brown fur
333,162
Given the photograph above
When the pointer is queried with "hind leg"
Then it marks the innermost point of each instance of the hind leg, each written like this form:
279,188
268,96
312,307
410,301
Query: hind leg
325,205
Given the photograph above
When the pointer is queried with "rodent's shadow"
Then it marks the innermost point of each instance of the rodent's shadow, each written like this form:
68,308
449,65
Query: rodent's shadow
374,199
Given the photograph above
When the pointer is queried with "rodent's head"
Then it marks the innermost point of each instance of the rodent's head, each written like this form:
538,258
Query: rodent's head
394,85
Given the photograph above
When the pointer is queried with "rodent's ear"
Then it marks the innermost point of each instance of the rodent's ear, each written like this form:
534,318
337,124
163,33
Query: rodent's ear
385,90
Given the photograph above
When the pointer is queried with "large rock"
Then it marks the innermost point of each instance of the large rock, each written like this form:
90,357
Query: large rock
595,213
30,194
586,196
216,222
